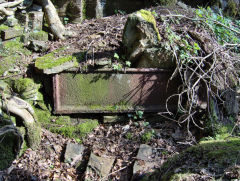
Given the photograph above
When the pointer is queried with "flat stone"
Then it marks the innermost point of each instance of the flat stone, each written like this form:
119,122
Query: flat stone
60,68
73,154
144,152
38,46
144,163
35,35
103,63
100,165
11,33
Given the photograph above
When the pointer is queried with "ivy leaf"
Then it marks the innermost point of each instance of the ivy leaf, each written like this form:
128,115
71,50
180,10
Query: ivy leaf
116,56
128,63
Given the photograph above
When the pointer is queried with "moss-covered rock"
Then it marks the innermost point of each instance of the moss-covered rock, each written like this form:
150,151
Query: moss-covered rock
3,27
143,42
148,17
27,89
54,62
208,158
12,55
38,35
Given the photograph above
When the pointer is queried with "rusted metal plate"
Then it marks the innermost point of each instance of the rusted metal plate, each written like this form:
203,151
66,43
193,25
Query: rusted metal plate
105,91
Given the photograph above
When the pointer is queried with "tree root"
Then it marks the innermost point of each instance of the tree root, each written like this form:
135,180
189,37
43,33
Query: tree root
3,7
24,110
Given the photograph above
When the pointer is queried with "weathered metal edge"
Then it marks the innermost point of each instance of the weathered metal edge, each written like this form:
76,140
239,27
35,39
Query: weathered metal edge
126,70
56,99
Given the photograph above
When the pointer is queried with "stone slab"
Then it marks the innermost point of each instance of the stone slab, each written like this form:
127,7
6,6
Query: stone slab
73,153
11,33
144,163
106,91
100,166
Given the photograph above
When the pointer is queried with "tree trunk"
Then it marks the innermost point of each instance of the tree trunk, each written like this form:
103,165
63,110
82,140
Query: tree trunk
53,19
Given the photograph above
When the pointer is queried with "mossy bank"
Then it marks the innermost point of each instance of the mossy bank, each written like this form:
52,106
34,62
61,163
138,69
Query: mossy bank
213,159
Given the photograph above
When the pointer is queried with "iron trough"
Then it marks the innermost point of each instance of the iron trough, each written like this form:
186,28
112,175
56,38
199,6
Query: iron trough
108,91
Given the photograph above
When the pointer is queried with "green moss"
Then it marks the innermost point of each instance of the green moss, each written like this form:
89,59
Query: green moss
147,136
24,147
18,27
213,156
216,129
11,55
63,125
34,134
52,60
43,116
27,89
3,27
22,84
7,154
13,46
147,16
76,131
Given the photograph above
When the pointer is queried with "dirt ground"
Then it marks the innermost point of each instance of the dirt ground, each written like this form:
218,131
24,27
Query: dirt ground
46,163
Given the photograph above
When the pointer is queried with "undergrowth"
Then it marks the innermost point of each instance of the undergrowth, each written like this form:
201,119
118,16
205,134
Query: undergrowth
206,49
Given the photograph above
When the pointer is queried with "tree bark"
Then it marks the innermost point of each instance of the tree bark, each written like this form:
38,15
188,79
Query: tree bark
56,26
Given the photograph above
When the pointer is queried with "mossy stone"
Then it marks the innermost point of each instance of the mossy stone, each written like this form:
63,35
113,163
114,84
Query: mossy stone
3,27
54,62
11,56
36,35
213,156
27,89
148,16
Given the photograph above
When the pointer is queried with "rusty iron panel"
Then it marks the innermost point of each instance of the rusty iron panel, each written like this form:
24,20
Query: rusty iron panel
105,91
